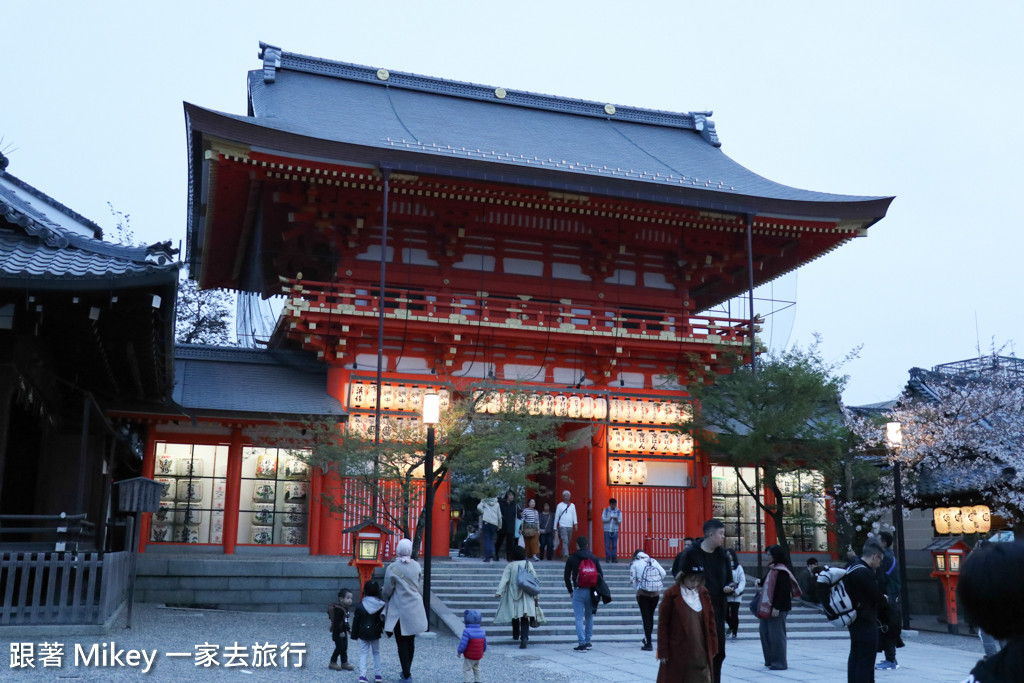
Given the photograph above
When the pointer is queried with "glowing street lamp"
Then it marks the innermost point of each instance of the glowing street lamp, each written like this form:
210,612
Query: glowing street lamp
431,416
894,438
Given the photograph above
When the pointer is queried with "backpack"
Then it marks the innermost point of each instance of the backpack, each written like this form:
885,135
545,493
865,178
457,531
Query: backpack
333,609
368,626
650,578
830,588
587,574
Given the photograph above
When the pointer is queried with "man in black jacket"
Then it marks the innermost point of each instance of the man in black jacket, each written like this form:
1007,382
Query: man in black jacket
710,556
868,598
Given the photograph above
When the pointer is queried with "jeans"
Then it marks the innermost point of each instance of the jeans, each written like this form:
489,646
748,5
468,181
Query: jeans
547,551
773,640
648,604
490,530
860,666
611,545
584,613
365,647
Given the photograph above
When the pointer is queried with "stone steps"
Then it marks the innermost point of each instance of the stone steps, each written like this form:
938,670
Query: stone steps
468,583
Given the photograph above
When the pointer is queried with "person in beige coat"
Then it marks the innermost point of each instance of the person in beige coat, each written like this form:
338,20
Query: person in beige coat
403,592
516,607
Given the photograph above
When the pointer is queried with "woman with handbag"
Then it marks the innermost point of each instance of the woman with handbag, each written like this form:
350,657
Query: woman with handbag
517,606
531,529
403,593
778,591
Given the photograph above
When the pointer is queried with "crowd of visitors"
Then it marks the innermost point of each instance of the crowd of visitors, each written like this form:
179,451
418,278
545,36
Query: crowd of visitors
693,612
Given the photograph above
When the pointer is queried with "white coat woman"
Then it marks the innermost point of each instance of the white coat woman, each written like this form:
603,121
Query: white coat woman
403,592
517,607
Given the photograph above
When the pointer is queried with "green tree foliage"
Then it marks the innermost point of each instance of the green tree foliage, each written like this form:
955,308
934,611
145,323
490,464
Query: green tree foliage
481,453
784,417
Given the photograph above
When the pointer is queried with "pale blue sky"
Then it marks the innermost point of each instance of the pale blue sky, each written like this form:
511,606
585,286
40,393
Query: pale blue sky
915,99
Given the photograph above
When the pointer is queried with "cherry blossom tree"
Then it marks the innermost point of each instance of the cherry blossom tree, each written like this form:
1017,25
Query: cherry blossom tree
962,432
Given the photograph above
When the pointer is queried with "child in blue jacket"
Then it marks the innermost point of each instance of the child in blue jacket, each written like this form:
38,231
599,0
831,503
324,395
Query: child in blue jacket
472,646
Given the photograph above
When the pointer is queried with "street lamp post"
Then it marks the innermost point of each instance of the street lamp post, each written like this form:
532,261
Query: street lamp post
431,415
894,437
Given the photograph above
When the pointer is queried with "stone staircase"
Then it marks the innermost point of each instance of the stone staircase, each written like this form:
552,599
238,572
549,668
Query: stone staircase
469,583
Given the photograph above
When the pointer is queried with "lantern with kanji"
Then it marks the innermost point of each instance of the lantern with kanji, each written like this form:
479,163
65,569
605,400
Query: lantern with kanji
367,549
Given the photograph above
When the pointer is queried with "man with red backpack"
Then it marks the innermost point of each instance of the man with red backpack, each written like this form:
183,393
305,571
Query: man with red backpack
582,574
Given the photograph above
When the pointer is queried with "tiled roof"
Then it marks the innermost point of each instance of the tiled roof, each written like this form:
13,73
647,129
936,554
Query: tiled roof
214,379
436,119
37,244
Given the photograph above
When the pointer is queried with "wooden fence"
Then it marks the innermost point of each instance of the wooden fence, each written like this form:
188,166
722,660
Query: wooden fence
62,587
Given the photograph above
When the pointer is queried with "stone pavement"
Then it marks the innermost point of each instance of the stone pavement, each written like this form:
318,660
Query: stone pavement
927,657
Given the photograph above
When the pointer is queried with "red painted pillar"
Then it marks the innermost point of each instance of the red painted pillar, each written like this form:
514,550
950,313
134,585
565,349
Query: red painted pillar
440,519
148,466
233,491
330,522
601,492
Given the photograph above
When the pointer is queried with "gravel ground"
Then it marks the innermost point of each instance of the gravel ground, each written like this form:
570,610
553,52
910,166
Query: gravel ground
182,630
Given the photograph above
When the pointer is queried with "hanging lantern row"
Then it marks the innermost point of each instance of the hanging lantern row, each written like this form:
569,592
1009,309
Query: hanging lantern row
627,472
970,519
649,441
398,397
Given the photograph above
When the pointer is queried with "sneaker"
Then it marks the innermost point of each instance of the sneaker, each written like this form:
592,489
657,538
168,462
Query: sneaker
347,667
334,666
647,647
362,679
378,679
589,646
580,648
883,666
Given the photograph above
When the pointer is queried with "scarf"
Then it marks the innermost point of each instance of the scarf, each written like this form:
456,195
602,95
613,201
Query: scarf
404,551
691,596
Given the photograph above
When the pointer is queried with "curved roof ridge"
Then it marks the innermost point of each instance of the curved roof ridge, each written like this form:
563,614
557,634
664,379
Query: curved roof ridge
42,196
274,59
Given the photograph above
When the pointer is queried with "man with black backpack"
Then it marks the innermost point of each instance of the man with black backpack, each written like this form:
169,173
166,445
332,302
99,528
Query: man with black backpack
866,596
582,573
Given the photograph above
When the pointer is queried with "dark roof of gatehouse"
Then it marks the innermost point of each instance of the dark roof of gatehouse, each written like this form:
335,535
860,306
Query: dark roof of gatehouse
419,124
44,244
222,380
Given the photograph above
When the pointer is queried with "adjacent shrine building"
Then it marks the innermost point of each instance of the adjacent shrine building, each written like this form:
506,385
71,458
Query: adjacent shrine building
568,247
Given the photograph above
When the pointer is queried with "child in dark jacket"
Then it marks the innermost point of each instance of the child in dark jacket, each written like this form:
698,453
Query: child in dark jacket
339,631
367,626
472,646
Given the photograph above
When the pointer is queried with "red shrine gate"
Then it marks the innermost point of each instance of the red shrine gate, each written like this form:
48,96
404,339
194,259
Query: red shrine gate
502,240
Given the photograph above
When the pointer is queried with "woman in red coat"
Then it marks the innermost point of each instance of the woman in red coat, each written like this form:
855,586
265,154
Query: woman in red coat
687,637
